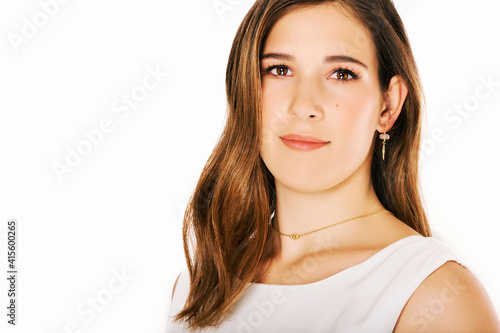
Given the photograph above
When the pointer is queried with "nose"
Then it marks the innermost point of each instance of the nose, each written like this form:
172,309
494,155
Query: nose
307,100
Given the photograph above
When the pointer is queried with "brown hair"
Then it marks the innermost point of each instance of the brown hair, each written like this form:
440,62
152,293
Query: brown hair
226,224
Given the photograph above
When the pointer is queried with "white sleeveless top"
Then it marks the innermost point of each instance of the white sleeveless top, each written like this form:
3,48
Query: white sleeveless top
367,297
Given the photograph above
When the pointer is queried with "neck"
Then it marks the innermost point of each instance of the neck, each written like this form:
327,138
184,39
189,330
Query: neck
300,212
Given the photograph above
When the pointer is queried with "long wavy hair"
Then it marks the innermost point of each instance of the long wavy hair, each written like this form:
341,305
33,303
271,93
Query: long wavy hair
227,221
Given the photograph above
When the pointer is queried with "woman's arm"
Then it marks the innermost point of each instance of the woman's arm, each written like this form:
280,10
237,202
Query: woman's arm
451,299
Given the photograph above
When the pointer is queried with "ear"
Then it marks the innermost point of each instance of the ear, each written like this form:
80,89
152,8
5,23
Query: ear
394,99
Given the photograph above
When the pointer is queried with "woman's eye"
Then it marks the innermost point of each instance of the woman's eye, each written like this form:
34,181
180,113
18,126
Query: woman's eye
344,75
279,70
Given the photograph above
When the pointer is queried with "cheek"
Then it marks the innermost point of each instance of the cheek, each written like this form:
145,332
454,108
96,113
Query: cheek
274,114
355,111
353,119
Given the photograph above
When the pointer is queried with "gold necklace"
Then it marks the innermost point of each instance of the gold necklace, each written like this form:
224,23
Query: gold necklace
297,236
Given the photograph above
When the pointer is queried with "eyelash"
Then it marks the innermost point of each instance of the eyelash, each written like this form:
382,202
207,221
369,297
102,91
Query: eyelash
344,70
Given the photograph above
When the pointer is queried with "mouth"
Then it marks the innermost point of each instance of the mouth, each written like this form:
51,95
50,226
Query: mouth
303,143
303,138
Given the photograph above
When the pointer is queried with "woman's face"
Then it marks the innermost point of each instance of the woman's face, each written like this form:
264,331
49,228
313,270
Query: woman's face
319,78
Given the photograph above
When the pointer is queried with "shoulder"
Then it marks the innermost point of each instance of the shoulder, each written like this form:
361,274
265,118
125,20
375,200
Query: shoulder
451,299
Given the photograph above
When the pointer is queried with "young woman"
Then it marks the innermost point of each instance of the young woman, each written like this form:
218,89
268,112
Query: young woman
307,216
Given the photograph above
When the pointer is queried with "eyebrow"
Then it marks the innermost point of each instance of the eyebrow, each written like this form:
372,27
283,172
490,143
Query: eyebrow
328,59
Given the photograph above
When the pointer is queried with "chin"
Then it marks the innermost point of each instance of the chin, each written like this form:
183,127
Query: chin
308,184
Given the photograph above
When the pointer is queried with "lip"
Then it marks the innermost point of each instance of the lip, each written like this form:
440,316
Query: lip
303,142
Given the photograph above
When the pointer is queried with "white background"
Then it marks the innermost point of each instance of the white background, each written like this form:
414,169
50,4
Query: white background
120,210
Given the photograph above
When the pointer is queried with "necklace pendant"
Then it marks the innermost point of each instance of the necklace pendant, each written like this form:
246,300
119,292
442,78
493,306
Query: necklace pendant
294,236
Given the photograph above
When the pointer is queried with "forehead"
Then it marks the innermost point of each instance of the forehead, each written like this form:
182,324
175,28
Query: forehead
321,30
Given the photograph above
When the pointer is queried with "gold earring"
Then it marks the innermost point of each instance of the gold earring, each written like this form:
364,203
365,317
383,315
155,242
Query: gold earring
384,137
